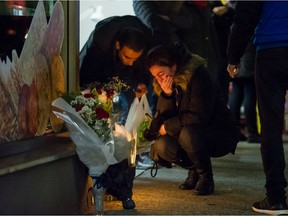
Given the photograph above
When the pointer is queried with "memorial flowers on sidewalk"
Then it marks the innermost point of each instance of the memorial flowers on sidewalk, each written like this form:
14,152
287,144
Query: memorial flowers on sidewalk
95,105
89,119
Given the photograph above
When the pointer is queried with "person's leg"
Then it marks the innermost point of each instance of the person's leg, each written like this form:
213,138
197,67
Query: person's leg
168,149
235,101
236,98
250,110
192,140
271,84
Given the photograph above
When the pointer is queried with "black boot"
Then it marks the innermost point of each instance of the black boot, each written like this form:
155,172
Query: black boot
201,161
128,203
205,186
191,181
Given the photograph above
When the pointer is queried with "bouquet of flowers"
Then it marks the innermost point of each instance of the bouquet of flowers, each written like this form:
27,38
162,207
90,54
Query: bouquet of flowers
89,119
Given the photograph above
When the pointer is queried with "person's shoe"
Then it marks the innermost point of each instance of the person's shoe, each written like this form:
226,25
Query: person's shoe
254,138
191,181
264,207
144,163
205,186
128,203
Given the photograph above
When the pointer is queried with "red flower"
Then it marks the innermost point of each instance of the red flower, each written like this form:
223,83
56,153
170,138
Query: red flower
89,95
110,93
101,113
98,89
79,107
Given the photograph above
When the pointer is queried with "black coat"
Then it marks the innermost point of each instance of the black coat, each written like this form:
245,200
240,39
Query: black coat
188,24
197,101
98,57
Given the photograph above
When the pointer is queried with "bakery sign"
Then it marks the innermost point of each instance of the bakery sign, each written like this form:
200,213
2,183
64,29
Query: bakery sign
31,81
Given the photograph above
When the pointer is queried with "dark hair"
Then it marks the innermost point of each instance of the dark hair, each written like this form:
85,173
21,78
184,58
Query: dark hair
168,55
133,38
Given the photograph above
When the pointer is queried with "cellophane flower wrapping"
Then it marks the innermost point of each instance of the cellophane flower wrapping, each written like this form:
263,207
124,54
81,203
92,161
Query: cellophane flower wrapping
89,119
90,122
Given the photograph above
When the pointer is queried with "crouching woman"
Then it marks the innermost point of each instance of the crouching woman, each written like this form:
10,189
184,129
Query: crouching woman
195,121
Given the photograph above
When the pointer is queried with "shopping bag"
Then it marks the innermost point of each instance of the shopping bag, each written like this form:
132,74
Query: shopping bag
136,114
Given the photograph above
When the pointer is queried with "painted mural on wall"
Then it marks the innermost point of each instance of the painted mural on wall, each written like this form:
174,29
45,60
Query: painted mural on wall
29,83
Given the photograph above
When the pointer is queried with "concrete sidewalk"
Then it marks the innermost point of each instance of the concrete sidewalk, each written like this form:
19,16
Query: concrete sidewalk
239,182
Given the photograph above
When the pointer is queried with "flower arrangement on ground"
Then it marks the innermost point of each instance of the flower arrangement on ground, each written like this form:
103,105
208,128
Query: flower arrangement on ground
95,105
89,119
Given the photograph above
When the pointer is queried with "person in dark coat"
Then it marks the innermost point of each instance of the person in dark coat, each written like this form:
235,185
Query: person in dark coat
196,122
116,48
223,12
267,22
189,22
244,91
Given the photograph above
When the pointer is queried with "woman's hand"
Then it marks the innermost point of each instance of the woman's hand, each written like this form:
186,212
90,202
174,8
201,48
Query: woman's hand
166,84
162,130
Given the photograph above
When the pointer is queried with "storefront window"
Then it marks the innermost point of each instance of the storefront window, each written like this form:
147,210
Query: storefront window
15,20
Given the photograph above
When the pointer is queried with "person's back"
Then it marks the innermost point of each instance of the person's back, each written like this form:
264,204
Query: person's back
116,47
272,31
97,57
189,22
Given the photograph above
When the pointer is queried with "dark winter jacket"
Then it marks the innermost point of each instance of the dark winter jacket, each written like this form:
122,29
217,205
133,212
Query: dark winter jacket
188,24
272,30
222,25
99,59
197,99
271,20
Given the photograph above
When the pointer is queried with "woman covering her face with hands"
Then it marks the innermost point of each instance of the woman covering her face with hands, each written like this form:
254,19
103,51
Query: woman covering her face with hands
195,121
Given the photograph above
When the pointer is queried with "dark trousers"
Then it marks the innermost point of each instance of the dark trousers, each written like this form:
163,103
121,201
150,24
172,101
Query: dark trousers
194,139
271,85
244,92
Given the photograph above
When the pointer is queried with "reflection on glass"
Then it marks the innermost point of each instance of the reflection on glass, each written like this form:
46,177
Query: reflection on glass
15,19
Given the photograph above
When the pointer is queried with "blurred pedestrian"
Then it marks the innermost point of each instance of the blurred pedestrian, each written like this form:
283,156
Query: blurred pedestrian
244,93
188,22
223,12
